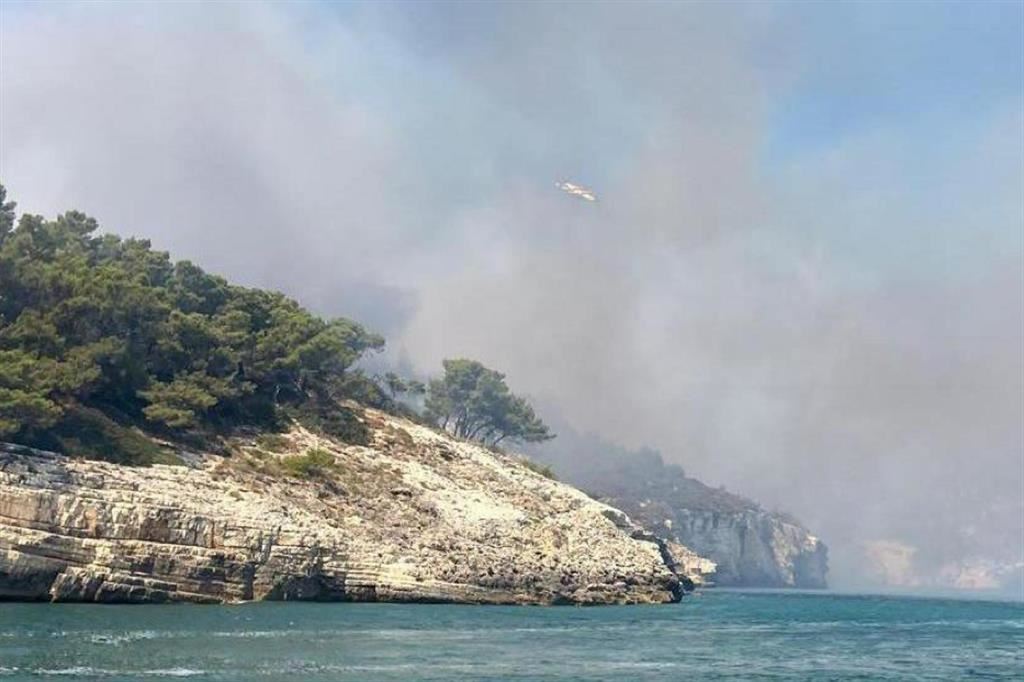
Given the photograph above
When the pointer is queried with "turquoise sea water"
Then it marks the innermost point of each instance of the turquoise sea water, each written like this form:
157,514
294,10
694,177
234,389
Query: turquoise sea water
718,635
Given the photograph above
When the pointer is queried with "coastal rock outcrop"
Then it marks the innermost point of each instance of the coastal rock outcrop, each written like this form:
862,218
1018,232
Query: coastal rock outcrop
413,516
689,565
750,547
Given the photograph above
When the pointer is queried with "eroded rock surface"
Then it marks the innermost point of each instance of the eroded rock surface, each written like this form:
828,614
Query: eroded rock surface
415,516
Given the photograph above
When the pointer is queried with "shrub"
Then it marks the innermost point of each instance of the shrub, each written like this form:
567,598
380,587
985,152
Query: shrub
89,433
316,463
332,420
537,468
271,442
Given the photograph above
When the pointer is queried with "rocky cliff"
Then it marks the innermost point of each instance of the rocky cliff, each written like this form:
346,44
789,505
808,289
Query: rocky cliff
751,547
413,516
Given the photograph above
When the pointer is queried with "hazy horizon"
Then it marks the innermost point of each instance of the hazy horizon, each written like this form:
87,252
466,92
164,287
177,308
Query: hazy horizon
803,277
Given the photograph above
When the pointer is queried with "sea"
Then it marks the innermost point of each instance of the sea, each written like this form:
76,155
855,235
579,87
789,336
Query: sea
713,635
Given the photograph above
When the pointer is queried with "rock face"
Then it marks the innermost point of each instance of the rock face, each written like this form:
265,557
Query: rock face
416,516
689,565
755,547
751,547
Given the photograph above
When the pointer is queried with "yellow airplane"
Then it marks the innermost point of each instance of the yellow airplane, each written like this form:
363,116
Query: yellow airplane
576,190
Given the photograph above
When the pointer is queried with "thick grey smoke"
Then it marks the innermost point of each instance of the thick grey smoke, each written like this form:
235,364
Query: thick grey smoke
830,324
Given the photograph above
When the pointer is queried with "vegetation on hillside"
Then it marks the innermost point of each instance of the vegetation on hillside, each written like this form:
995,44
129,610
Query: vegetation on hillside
538,468
312,464
473,402
93,324
103,338
397,387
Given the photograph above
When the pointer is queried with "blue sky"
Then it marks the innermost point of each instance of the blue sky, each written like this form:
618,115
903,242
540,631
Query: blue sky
925,69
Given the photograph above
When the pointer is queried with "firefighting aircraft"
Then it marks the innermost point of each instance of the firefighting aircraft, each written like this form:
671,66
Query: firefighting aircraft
576,190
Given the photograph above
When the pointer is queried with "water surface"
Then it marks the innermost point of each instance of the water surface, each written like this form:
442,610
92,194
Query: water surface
716,636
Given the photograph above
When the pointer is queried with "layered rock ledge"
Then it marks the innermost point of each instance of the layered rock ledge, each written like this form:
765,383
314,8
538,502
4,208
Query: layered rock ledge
413,516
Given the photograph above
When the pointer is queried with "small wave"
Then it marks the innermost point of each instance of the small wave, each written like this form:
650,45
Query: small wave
171,672
468,667
366,668
123,638
263,634
629,665
87,671
74,671
347,632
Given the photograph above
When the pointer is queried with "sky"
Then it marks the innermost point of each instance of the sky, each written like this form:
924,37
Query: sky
802,279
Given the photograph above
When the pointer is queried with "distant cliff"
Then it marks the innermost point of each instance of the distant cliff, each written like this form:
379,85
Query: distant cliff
413,515
751,547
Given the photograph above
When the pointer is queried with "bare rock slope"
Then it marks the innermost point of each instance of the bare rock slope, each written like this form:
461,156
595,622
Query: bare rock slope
414,516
